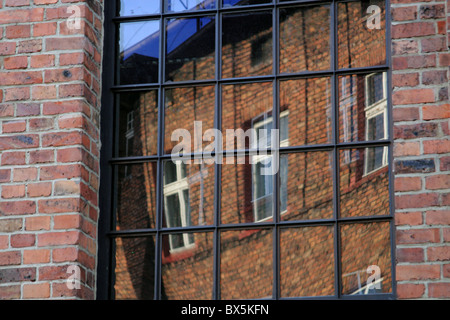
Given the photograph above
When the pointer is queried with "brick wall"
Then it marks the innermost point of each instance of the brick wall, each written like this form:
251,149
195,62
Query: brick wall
422,146
49,147
49,175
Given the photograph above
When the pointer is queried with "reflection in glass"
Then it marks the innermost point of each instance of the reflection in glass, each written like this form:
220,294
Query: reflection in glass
139,7
246,108
191,109
364,182
361,34
305,39
306,261
363,107
134,268
187,273
230,3
188,197
137,122
136,196
308,102
307,178
246,264
365,252
185,5
247,44
190,49
138,52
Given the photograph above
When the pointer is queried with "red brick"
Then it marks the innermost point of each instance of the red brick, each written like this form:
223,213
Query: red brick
37,223
11,78
41,124
413,29
14,126
71,221
10,225
36,290
22,240
7,48
438,217
28,109
436,112
417,236
60,172
438,253
58,238
42,61
15,62
413,96
13,191
24,174
412,255
17,94
69,254
59,205
44,29
408,218
436,146
21,15
17,207
418,272
18,31
406,149
42,156
11,158
43,92
410,291
437,182
439,290
30,46
8,258
57,139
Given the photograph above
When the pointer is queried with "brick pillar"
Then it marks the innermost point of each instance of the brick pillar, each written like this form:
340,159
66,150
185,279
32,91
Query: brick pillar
49,146
422,147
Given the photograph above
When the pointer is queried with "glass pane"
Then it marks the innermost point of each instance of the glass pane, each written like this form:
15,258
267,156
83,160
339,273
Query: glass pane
137,122
305,251
308,183
139,7
231,3
361,34
307,104
136,196
305,39
134,268
190,49
189,113
362,107
138,52
184,5
366,258
247,44
187,273
246,264
247,189
189,198
246,111
364,182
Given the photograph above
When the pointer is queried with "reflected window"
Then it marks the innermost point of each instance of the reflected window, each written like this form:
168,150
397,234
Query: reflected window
227,82
263,167
176,203
376,120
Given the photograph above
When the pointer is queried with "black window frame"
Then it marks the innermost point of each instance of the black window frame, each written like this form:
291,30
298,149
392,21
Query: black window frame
107,160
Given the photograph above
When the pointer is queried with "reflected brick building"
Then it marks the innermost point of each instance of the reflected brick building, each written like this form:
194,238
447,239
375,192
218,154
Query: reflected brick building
306,178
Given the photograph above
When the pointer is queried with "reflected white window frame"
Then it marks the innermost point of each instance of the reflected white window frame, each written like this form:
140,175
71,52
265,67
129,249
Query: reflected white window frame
372,111
129,135
178,187
255,159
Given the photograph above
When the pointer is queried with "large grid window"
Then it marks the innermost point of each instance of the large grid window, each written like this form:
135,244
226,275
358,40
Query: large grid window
213,79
